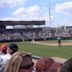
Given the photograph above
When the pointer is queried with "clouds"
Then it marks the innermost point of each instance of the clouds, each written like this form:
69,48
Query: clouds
65,8
30,13
34,12
61,11
10,3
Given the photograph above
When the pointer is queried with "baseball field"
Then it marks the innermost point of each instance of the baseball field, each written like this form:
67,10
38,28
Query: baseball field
47,48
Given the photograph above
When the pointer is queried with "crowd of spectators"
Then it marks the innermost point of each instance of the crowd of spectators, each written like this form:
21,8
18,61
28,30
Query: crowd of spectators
43,33
12,60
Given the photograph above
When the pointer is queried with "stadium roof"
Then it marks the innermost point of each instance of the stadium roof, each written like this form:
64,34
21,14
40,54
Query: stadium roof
22,23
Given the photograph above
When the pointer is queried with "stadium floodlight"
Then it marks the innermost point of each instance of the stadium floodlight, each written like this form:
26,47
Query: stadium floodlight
49,14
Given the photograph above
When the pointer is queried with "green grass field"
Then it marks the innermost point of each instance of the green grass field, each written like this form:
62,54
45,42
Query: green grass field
43,50
50,51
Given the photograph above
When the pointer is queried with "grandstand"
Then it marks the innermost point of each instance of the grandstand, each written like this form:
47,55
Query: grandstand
39,48
27,32
19,34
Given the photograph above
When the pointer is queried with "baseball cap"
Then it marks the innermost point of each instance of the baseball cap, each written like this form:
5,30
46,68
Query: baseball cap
13,47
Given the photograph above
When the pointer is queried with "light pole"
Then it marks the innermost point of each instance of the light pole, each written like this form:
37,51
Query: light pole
49,14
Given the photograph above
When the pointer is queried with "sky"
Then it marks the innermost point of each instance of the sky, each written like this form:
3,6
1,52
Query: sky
60,11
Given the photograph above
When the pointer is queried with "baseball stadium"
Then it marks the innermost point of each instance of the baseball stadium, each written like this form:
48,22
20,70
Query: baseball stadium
35,35
39,41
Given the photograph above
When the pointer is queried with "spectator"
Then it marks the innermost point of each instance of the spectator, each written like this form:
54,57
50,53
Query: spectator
43,64
20,62
46,64
67,66
12,48
26,64
3,48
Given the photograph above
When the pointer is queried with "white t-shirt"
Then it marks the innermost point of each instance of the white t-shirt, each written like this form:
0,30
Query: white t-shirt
3,61
6,58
